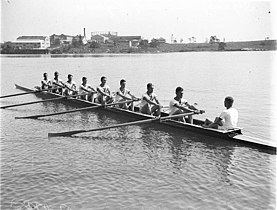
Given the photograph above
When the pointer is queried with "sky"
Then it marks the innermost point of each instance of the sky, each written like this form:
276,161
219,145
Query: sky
229,20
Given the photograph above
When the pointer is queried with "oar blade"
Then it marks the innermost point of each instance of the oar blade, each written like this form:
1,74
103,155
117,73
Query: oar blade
68,133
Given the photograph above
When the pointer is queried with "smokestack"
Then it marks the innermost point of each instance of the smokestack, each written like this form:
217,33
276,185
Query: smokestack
84,32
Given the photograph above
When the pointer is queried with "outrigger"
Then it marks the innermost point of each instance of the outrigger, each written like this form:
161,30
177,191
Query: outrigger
232,135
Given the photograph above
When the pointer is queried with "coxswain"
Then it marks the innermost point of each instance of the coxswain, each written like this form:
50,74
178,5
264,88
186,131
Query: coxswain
149,103
45,83
57,84
104,95
228,118
123,94
70,86
85,88
179,105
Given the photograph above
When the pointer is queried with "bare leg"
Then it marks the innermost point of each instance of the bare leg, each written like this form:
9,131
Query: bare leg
182,119
145,109
156,110
131,106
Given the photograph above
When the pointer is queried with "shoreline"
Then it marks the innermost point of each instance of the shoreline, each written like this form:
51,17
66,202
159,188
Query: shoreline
262,45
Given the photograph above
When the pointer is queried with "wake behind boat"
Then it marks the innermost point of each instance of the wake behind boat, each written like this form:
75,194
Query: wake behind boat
232,135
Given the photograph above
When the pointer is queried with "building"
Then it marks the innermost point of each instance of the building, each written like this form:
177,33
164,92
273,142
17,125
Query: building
162,40
99,38
112,37
56,40
31,42
132,41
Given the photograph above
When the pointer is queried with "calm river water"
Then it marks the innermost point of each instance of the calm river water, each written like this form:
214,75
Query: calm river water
145,166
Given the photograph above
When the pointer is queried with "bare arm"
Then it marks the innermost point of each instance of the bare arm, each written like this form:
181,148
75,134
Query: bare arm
122,96
182,107
150,102
133,97
93,90
102,93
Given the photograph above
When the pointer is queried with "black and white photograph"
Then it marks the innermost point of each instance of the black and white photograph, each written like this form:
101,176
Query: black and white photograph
138,104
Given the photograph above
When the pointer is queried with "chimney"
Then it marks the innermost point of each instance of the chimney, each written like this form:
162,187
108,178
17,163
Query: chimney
84,32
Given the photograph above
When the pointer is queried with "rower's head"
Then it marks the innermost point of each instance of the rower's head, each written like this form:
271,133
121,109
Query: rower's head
45,75
150,87
103,80
69,77
179,92
84,79
56,74
228,102
123,83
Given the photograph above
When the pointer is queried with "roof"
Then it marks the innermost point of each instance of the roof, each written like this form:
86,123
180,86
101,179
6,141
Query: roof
27,41
31,37
129,38
98,35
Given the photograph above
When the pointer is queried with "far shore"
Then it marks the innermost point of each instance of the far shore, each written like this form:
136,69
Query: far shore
262,45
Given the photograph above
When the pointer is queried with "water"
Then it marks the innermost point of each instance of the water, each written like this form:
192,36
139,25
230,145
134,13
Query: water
146,166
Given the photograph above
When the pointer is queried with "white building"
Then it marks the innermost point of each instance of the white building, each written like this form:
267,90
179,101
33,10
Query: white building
32,42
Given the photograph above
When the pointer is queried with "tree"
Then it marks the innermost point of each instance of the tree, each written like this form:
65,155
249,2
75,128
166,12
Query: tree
214,39
154,43
94,45
143,43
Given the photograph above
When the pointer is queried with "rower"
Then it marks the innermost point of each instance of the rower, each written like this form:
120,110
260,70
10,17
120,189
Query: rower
45,83
150,104
57,84
122,95
70,86
86,88
228,119
178,105
103,92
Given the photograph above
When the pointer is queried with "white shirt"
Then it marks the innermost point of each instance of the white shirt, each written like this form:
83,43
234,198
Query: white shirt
105,89
124,93
71,85
230,118
82,87
150,97
45,83
59,82
173,102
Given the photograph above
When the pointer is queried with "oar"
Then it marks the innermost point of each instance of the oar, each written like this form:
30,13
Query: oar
34,91
70,111
70,133
35,102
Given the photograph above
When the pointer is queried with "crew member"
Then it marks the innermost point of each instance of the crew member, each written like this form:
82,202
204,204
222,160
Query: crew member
85,88
45,83
57,84
179,105
228,119
103,92
124,94
150,104
70,86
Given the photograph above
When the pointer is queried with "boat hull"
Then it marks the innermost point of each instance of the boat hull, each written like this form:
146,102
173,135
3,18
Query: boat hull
233,135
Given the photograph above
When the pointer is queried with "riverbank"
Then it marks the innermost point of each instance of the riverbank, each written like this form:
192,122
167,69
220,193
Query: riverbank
261,45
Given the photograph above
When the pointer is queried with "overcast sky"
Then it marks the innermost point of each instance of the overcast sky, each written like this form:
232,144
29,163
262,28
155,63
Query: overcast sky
229,19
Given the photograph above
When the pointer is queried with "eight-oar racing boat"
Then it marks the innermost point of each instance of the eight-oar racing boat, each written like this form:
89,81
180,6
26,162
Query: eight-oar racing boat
233,135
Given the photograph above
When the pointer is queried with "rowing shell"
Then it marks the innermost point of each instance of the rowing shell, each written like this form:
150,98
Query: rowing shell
233,135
